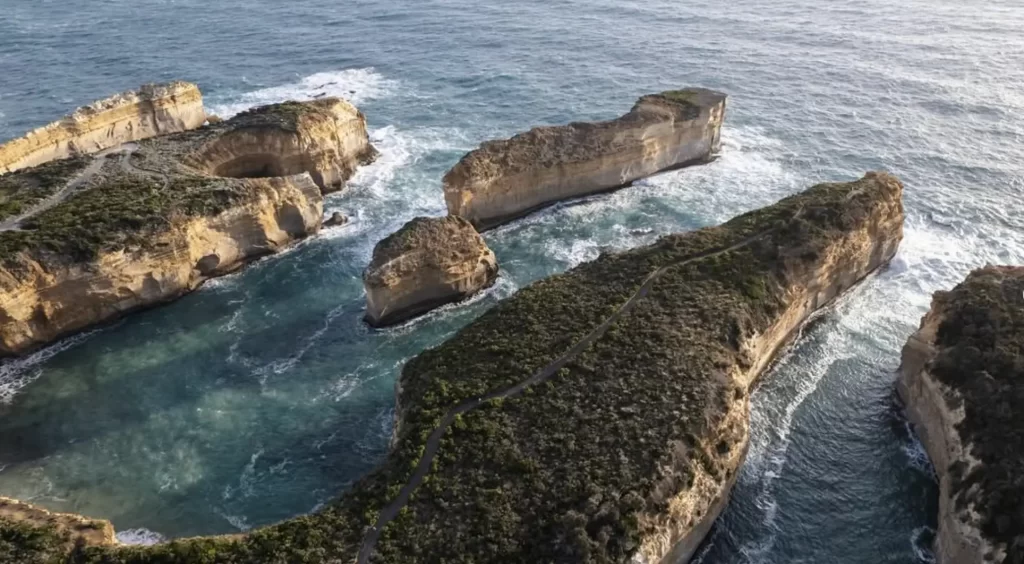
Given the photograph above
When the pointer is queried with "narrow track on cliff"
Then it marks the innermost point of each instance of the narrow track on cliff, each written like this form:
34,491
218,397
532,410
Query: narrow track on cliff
126,150
433,444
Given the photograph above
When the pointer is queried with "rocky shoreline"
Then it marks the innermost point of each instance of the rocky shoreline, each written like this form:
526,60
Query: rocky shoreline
959,379
87,240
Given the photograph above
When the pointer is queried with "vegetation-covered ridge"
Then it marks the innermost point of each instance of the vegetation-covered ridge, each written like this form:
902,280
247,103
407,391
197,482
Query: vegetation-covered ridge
19,192
568,470
118,210
980,355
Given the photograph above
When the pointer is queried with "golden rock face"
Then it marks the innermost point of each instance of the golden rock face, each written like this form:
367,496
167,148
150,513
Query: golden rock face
506,179
149,221
155,109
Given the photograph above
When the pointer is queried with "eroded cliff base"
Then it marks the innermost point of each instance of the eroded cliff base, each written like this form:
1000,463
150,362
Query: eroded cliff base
962,380
85,240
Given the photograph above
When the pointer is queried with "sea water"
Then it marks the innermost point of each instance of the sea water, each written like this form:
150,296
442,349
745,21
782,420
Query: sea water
263,395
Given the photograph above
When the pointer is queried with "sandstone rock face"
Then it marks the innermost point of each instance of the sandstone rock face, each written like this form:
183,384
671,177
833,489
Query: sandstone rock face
953,391
85,241
92,532
154,109
326,138
427,263
602,415
503,180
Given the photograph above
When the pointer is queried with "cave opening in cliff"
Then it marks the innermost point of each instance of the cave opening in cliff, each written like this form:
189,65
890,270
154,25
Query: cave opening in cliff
263,165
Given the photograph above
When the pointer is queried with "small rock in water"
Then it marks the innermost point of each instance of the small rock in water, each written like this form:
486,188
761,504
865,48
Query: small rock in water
337,218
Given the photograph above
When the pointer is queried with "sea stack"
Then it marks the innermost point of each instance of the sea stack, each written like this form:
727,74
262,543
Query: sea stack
429,262
504,180
154,109
962,380
89,239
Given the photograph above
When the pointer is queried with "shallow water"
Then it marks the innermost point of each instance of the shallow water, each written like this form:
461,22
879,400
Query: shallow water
262,396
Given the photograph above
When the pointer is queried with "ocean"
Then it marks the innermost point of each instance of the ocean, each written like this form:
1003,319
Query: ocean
263,395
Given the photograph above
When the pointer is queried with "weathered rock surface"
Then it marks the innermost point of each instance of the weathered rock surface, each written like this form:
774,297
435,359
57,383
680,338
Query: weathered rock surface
55,533
429,262
84,241
503,180
962,380
326,138
154,109
625,439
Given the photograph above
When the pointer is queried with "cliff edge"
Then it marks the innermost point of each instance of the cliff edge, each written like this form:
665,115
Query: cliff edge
599,415
153,109
506,179
962,380
86,240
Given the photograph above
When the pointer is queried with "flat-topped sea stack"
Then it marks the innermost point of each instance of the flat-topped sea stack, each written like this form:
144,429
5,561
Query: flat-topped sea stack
154,109
429,262
599,415
962,380
503,180
89,239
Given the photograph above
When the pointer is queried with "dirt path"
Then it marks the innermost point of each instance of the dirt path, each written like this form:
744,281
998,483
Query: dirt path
434,441
126,150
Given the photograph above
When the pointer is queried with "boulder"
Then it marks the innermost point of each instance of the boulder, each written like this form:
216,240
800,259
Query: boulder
154,109
429,262
503,180
336,219
962,380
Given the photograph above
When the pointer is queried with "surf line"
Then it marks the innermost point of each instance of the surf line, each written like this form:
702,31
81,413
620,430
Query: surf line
433,444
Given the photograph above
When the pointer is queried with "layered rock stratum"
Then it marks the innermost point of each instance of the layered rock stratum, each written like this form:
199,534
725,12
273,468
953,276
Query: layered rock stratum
599,415
962,380
30,534
153,109
429,262
506,179
89,239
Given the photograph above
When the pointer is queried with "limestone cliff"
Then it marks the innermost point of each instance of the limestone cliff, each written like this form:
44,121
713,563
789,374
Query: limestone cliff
503,180
600,415
154,109
427,263
86,240
52,534
961,379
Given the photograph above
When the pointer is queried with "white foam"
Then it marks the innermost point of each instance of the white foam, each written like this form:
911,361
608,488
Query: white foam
140,537
922,549
16,373
354,85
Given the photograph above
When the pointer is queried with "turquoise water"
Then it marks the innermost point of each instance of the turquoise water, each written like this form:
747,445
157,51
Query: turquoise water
262,396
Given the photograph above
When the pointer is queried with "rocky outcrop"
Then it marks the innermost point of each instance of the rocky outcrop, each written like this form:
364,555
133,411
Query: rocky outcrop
55,533
325,138
503,180
429,262
600,415
154,109
961,379
87,240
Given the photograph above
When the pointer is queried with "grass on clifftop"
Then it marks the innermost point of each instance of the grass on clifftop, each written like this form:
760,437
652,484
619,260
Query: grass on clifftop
21,190
981,344
120,212
565,471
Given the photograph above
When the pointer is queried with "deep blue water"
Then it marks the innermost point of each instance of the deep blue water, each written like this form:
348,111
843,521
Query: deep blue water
262,396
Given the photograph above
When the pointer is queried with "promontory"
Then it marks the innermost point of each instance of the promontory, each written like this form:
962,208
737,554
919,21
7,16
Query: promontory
503,180
600,415
962,380
90,238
